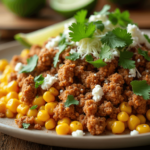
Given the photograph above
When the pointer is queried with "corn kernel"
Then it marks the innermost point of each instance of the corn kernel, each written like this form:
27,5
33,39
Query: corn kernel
38,101
9,114
62,129
50,124
143,128
20,95
24,53
2,107
12,86
3,64
48,97
43,115
8,70
133,122
32,112
49,107
37,121
64,120
110,123
19,115
125,107
41,108
11,95
148,114
23,109
2,93
142,119
54,91
3,99
12,104
118,127
123,116
75,125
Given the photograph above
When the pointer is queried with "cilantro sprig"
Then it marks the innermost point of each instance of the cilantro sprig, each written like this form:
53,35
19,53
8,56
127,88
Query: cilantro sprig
105,52
97,63
144,53
104,11
117,38
81,16
99,25
31,64
125,60
38,80
141,88
71,101
25,125
73,56
147,38
34,107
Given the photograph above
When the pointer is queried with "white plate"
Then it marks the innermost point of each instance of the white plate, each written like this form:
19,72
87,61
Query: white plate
107,140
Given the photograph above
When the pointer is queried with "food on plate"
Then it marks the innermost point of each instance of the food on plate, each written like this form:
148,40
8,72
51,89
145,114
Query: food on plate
95,76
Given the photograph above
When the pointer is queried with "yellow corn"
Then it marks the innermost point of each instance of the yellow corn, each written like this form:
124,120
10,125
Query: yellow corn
133,122
54,91
9,114
143,128
3,64
24,52
32,112
50,124
75,125
64,120
43,115
23,109
148,114
48,97
38,101
142,119
123,116
12,86
110,123
118,127
49,107
62,129
125,107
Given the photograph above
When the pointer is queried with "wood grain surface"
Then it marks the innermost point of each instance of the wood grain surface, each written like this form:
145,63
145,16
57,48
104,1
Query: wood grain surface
141,16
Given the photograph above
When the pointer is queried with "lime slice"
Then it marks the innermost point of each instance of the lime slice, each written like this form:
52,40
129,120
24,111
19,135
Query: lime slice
69,7
40,36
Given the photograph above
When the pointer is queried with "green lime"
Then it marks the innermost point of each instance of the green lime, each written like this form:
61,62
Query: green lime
40,36
24,8
68,8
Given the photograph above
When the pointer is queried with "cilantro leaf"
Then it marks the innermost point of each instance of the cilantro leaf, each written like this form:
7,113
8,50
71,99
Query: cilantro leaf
147,38
71,101
144,53
80,31
34,107
97,63
61,49
141,88
38,80
81,16
124,60
25,125
104,10
73,56
117,38
105,52
123,19
31,64
62,39
99,25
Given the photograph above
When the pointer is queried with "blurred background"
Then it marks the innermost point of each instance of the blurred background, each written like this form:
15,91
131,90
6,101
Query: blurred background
29,15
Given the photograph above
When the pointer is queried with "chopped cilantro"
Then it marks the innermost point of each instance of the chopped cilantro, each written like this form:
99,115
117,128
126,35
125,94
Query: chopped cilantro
105,52
147,38
37,96
81,16
123,19
34,107
104,10
31,64
97,63
117,38
99,25
71,101
38,80
62,39
141,88
124,60
80,31
144,53
73,56
25,125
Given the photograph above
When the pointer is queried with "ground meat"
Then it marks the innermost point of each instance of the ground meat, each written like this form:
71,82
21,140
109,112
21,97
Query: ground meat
83,119
74,89
96,125
113,93
147,78
28,90
61,111
12,77
116,78
24,119
37,126
66,74
35,50
90,107
20,79
2,115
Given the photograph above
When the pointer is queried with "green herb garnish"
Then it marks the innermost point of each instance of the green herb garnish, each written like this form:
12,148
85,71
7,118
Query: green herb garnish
73,56
25,125
99,25
147,38
34,107
104,11
81,16
71,101
105,52
144,53
38,80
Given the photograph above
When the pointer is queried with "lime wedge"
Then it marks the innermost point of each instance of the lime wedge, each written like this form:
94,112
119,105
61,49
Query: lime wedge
68,8
40,36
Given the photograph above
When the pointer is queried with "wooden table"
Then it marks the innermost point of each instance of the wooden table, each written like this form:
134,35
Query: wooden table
141,16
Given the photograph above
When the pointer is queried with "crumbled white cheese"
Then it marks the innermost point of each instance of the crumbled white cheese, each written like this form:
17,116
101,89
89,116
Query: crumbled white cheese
18,66
98,17
61,91
138,73
95,74
48,82
106,81
56,75
72,51
138,60
78,133
134,132
81,90
53,42
137,36
132,73
97,93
